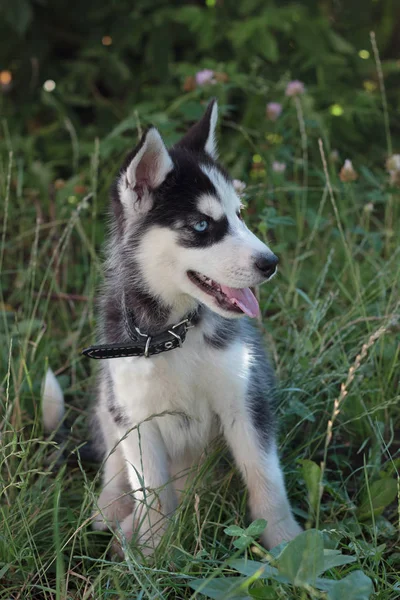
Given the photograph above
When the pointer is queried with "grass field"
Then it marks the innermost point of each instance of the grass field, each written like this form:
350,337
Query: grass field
331,323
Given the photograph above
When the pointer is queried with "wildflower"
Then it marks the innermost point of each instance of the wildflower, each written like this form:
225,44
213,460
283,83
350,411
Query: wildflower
239,186
369,207
278,167
204,77
334,156
189,84
273,110
393,168
295,88
347,172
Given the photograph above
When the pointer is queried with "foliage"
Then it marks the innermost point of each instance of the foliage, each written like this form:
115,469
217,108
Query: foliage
259,45
330,318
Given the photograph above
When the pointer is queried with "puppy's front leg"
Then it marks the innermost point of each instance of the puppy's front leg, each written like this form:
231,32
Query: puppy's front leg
259,464
155,499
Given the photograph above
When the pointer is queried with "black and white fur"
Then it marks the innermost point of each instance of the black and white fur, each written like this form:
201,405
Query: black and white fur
220,382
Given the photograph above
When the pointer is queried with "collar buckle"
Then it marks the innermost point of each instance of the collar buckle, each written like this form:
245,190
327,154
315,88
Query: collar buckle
186,325
144,344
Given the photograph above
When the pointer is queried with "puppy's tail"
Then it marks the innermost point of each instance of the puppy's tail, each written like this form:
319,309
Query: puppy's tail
53,415
53,406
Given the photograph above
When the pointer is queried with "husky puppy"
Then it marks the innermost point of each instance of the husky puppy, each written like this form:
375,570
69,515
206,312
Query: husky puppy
180,262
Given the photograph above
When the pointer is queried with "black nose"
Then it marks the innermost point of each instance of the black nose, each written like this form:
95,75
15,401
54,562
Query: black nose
266,264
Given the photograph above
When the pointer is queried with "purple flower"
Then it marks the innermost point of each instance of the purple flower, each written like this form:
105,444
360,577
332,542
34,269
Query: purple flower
205,76
273,110
295,88
239,186
278,167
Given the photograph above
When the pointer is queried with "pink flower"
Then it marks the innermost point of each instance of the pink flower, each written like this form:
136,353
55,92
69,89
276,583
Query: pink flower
274,110
278,167
347,172
393,168
239,186
295,88
205,76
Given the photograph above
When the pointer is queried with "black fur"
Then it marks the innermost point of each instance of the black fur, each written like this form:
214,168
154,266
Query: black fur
175,201
114,408
225,332
261,390
196,138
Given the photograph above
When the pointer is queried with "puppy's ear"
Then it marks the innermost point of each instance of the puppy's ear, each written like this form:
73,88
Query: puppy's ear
201,136
144,170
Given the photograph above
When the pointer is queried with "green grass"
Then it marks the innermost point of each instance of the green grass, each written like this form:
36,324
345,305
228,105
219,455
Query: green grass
331,325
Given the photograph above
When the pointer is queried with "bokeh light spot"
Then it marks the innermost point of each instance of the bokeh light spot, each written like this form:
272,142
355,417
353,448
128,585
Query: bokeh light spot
5,77
49,85
336,110
364,54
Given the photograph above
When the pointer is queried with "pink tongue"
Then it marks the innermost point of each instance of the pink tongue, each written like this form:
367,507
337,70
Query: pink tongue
244,299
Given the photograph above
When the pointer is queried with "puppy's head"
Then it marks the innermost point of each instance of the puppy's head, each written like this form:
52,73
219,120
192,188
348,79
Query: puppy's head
178,221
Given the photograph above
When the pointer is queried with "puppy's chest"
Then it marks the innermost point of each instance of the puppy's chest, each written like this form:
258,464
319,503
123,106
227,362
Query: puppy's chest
178,382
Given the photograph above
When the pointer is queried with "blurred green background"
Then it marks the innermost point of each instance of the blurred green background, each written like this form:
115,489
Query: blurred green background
300,91
110,59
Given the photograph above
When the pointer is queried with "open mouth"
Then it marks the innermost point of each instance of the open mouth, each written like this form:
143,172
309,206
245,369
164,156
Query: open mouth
237,300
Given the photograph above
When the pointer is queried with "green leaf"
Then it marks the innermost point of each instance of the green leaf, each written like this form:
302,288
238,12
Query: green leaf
280,221
234,530
251,567
356,586
268,46
301,410
26,326
340,44
381,494
243,542
370,177
256,528
260,591
303,558
306,298
221,587
312,476
334,558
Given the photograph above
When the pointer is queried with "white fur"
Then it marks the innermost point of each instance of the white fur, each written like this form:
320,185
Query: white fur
210,206
208,386
211,144
226,192
230,262
52,403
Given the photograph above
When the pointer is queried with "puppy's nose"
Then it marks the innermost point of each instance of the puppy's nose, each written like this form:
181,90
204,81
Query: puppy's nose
266,264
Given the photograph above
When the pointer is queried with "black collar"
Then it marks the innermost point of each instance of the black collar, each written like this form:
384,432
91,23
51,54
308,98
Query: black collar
143,344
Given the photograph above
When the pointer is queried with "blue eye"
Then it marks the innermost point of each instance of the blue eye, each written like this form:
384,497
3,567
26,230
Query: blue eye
201,226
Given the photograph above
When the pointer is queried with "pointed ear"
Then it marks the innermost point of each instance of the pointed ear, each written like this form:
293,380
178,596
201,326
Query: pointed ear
144,170
201,136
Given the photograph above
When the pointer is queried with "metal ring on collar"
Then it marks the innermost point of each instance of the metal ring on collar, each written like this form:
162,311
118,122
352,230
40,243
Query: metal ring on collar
140,333
178,337
146,348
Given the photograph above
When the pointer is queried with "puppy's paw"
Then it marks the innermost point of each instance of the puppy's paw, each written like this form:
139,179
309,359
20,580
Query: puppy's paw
142,530
282,531
111,510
